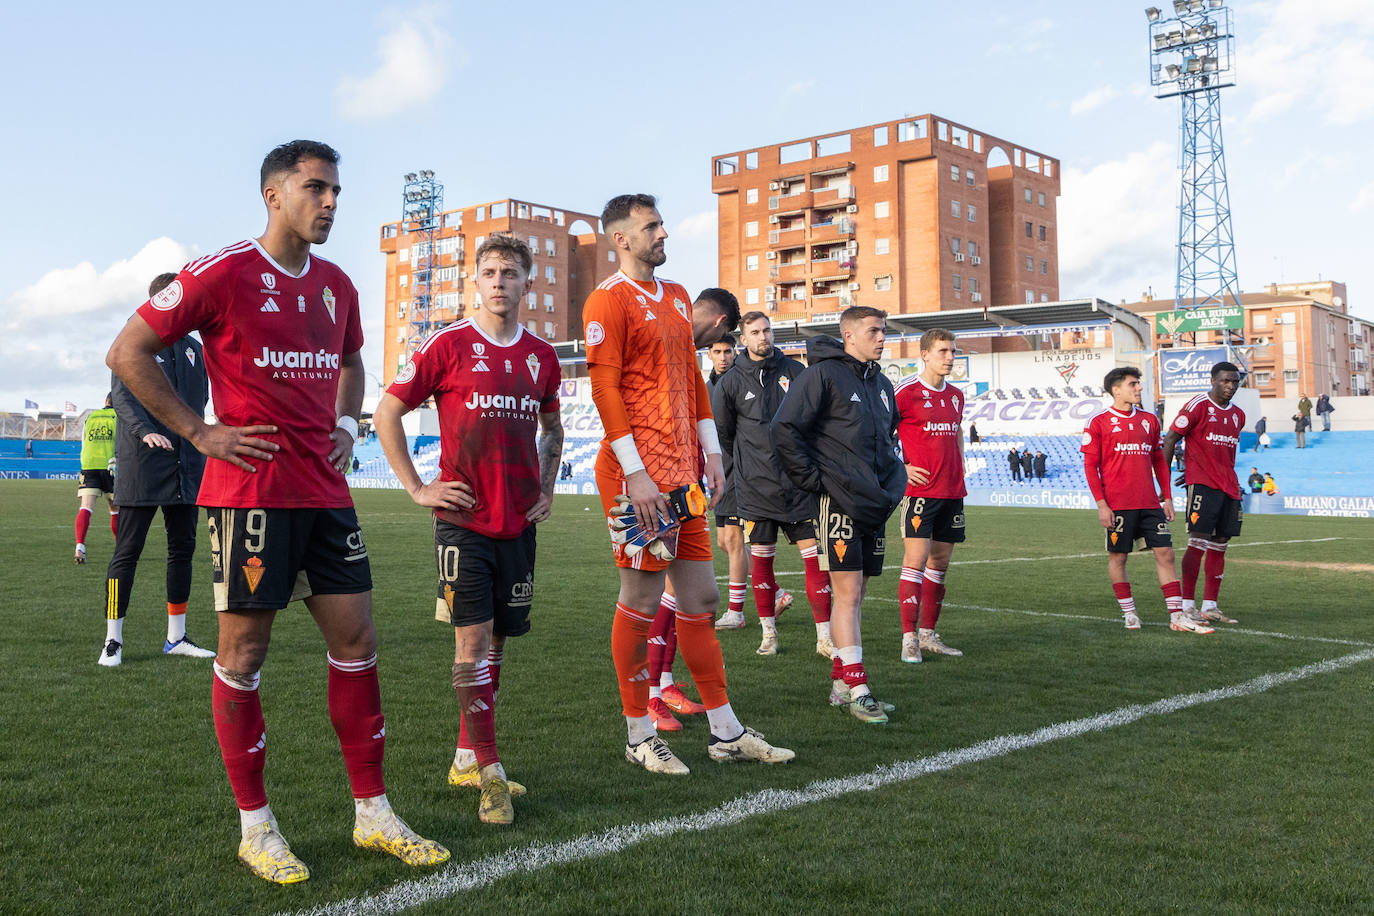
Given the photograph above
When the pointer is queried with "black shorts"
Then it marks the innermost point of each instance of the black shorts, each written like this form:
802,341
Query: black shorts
266,558
95,482
765,531
482,579
842,547
729,521
1212,512
934,518
1148,525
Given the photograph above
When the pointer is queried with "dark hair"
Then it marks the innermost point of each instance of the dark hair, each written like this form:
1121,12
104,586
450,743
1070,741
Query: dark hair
751,317
160,282
859,313
505,245
1117,375
1225,367
618,208
724,302
726,339
286,157
929,338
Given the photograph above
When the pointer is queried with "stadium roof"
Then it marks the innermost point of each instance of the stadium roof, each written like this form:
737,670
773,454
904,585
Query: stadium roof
995,321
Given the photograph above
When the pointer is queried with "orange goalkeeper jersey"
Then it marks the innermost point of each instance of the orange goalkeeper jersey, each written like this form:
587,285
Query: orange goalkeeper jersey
646,333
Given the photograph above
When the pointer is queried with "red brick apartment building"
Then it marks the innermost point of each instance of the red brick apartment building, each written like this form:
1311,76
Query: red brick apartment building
570,257
915,215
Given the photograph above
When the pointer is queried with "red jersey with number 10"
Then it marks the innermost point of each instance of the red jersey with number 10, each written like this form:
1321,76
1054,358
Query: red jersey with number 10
1123,457
489,398
929,430
273,348
1213,433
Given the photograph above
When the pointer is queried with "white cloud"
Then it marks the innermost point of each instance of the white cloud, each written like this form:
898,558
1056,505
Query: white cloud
1094,99
413,61
1117,223
698,225
1364,197
58,328
1313,55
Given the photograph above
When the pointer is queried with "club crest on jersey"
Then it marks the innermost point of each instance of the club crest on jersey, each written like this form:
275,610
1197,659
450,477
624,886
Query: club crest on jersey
680,306
841,548
191,355
300,304
252,571
169,298
595,333
269,281
328,297
533,362
1182,421
508,370
886,405
407,372
784,382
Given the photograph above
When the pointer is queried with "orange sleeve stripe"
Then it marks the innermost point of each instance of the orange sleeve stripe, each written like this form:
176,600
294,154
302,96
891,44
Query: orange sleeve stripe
608,400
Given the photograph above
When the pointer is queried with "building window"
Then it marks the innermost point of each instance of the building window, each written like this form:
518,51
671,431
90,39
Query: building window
972,213
751,228
1042,233
1030,264
880,209
912,130
481,213
883,283
610,256
880,136
403,280
1263,378
1290,348
549,276
880,173
548,302
1030,229
1260,319
881,246
954,173
958,283
954,209
751,196
751,262
402,254
973,284
530,299
1044,297
1044,266
534,244
1290,375
751,296
954,245
1030,297
968,177
751,160
972,248
548,330
1028,195
1042,198
550,248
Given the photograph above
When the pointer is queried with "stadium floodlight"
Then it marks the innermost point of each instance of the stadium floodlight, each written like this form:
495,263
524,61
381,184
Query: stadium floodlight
1214,4
1172,71
410,176
1180,7
1191,34
1193,65
1152,13
1209,64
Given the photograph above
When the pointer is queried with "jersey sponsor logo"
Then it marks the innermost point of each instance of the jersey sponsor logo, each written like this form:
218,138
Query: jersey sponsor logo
270,305
749,396
524,403
169,298
855,398
522,591
407,372
940,429
328,298
253,571
269,280
595,333
479,349
480,366
532,362
296,359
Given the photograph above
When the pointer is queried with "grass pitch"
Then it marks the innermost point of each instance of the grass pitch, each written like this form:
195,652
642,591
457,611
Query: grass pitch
115,798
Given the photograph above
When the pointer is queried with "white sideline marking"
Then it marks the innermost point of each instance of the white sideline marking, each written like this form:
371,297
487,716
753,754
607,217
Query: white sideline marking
1071,556
456,879
1117,621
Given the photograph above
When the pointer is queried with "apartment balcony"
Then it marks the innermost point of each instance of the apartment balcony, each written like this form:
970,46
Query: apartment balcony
794,272
838,230
795,237
782,203
833,197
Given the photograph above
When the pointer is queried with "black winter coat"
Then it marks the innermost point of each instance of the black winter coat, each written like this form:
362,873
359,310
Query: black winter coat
835,433
744,402
726,504
148,476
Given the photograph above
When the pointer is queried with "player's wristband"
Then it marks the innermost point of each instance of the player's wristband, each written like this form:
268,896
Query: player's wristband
708,437
627,454
348,425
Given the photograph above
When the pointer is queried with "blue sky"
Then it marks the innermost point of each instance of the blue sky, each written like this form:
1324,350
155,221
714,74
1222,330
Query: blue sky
132,138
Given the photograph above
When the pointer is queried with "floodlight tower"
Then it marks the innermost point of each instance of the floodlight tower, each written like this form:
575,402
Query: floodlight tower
1192,56
422,205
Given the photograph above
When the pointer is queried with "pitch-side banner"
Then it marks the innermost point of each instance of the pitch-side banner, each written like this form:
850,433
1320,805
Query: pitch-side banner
1033,497
1188,371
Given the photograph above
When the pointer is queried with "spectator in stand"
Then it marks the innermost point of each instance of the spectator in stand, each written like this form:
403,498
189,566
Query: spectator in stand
1255,480
1038,462
1027,464
1261,434
356,464
973,433
1014,458
1300,429
1305,409
28,447
1178,456
1270,487
1324,410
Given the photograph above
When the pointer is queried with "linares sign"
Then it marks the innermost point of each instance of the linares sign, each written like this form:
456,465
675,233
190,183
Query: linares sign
1186,321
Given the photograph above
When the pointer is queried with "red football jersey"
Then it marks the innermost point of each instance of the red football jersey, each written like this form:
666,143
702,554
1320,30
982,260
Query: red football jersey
1213,433
273,348
1123,457
928,426
489,399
